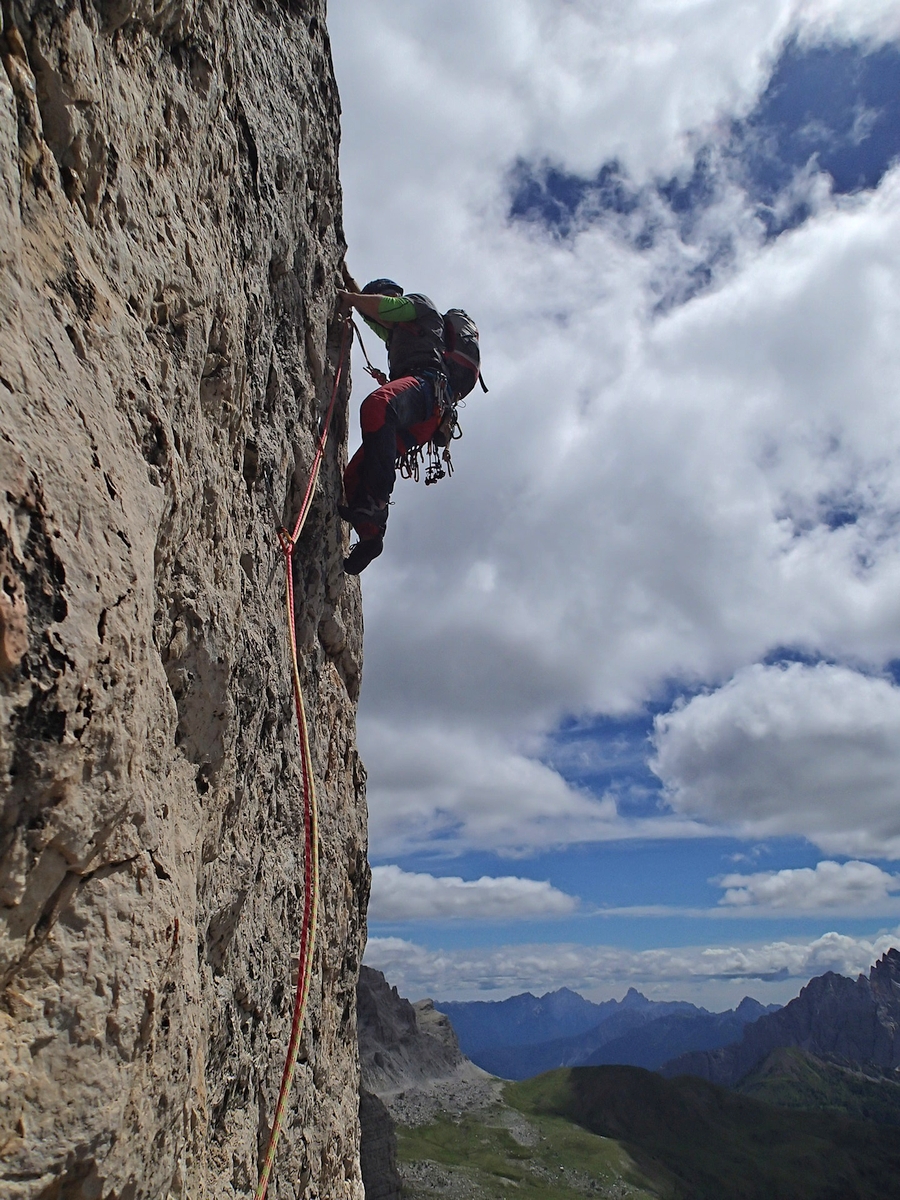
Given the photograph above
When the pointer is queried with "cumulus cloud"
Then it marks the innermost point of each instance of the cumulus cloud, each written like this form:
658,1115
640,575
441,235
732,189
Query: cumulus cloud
791,750
480,84
399,895
464,788
850,886
875,21
715,972
640,499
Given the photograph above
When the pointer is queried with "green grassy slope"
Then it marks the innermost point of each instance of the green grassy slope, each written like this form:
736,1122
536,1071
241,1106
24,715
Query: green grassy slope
791,1078
701,1142
476,1156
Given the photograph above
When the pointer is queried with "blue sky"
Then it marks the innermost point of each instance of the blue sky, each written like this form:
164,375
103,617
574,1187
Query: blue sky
630,705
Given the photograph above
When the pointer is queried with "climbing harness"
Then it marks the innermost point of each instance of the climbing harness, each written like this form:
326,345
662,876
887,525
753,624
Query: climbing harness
438,448
288,542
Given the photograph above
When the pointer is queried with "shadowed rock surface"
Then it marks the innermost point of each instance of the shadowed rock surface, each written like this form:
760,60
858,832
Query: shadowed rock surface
170,243
844,1021
377,1149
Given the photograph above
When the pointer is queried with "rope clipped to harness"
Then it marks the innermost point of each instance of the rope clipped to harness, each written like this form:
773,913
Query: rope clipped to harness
288,541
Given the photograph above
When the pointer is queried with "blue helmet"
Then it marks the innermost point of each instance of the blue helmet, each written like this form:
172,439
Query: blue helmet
382,287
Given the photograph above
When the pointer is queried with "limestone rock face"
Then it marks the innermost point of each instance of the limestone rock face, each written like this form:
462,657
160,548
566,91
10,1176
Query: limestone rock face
170,243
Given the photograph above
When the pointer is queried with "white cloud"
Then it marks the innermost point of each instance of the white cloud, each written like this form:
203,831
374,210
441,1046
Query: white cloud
639,499
442,97
399,895
446,781
851,886
716,975
802,750
452,787
667,520
875,21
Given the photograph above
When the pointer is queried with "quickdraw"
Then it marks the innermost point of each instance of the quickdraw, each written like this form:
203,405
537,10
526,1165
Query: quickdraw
439,461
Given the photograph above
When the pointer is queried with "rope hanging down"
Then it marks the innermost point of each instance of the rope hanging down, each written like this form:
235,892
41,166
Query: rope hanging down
379,376
288,541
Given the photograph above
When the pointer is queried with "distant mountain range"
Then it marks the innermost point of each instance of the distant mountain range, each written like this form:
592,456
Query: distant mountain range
525,1020
812,1110
525,1035
838,1020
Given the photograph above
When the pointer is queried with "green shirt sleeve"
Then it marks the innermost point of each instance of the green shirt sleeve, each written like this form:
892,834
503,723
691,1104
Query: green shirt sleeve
381,330
396,308
392,310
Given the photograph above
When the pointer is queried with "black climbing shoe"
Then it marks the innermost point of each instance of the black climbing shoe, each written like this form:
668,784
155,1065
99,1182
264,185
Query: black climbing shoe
362,554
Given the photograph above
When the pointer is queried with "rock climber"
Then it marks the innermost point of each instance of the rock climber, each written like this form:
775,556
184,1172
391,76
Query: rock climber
405,411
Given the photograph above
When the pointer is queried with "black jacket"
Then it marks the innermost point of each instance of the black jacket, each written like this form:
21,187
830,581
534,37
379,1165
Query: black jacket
417,346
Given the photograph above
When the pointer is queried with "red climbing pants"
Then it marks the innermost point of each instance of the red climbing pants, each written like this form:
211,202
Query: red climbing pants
400,414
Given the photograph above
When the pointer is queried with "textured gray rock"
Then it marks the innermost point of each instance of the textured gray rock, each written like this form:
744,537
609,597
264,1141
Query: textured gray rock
401,1044
170,243
410,1058
839,1020
377,1149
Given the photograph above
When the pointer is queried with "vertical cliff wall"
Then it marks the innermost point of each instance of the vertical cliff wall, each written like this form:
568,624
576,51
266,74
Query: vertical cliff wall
170,242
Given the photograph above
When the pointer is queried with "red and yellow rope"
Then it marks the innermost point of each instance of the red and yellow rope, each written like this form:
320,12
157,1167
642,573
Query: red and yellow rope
288,541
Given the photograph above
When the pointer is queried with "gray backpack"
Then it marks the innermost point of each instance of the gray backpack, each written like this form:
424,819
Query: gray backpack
462,354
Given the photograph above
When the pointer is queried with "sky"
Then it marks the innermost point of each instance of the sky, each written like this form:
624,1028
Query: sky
631,695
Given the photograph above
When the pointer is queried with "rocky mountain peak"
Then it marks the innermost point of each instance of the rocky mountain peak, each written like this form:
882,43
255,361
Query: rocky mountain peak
750,1009
402,1045
634,999
844,1021
885,974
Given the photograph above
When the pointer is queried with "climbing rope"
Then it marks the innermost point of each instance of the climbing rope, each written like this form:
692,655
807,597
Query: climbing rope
379,376
288,542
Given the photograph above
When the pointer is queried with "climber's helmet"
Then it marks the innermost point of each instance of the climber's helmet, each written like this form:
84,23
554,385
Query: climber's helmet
382,287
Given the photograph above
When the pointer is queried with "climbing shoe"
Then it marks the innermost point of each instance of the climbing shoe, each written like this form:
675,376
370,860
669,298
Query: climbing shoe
362,554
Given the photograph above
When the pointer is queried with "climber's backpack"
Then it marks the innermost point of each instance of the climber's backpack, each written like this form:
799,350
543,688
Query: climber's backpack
462,353
462,359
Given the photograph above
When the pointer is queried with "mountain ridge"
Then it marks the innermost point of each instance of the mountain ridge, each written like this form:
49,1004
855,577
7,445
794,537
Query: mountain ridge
626,1022
837,1019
